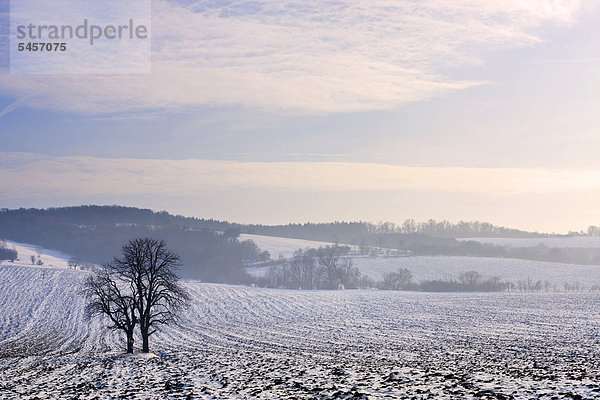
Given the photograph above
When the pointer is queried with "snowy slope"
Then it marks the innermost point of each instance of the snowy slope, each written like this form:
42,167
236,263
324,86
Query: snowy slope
575,241
42,313
239,342
50,258
285,247
448,268
445,267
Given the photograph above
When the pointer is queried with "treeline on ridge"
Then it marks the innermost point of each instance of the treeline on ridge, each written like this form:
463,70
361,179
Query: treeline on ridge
211,251
410,238
348,232
95,234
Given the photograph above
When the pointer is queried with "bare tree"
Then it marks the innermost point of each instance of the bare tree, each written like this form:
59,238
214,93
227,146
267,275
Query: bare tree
322,268
149,268
140,287
303,267
106,295
470,278
347,274
398,280
328,262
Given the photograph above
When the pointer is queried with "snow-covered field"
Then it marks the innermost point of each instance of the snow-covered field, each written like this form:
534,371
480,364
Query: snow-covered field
49,258
574,241
239,342
285,247
448,268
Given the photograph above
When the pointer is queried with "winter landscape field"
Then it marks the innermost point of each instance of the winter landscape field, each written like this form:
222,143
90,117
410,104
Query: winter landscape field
571,241
281,246
244,342
282,200
557,275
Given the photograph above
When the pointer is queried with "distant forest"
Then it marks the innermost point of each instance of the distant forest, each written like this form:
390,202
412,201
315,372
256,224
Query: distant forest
433,238
96,233
347,232
212,252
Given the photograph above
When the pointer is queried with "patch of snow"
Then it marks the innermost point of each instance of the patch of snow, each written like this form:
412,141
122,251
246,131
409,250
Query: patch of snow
50,258
447,268
139,355
279,246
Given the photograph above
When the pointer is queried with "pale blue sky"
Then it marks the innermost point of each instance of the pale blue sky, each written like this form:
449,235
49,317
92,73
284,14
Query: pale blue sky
508,90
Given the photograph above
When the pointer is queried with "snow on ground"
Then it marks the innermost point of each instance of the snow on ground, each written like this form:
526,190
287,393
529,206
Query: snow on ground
238,342
41,312
50,258
574,241
448,268
285,247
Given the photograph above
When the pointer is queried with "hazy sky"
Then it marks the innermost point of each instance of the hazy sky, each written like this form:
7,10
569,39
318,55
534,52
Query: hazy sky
276,112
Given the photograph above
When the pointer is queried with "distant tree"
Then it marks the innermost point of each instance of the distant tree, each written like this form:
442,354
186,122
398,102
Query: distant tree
264,255
303,269
6,253
593,231
333,270
32,258
398,280
232,232
470,278
250,252
347,274
328,262
322,268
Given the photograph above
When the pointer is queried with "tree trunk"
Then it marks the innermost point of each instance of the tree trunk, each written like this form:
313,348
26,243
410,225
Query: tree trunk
145,346
130,341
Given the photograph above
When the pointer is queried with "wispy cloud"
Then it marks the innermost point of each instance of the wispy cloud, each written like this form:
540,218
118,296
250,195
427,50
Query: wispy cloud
25,175
327,56
592,60
148,116
14,105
